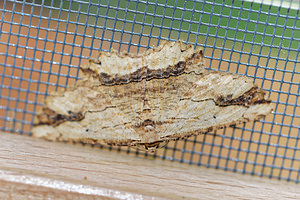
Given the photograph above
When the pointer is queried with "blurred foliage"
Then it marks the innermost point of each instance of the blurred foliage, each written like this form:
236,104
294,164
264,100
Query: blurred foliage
220,22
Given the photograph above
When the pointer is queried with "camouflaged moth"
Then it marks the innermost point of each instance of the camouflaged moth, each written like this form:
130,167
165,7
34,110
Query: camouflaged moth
148,99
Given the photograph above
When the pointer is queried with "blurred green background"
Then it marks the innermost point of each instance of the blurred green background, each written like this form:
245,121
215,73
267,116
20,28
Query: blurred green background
210,24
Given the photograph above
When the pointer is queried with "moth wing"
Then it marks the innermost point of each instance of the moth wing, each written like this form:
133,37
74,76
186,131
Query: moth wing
202,107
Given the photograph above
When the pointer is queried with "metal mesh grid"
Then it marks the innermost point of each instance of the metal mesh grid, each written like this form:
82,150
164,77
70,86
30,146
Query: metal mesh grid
42,43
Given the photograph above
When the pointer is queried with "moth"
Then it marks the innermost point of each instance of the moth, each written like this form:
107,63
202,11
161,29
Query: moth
149,99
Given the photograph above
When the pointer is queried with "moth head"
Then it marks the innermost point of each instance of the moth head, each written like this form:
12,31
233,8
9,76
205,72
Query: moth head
151,147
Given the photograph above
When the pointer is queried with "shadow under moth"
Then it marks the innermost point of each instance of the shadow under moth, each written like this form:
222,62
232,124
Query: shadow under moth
148,99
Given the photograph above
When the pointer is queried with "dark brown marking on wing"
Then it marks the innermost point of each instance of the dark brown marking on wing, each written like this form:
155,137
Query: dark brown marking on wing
144,72
254,96
50,117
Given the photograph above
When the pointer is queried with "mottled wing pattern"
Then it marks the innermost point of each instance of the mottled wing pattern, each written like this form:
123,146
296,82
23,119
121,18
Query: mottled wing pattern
149,99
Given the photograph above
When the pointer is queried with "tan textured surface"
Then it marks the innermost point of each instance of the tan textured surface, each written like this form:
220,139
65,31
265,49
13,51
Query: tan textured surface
151,109
168,59
31,168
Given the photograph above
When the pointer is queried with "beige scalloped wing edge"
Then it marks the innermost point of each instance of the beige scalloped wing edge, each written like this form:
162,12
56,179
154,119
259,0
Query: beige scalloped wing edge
168,59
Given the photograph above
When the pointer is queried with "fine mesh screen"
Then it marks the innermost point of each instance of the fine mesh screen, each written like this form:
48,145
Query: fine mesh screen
42,43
